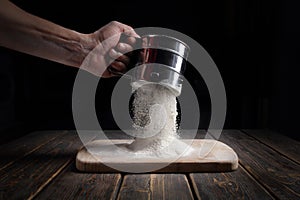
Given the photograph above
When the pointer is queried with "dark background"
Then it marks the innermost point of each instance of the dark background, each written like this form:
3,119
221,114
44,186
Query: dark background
255,44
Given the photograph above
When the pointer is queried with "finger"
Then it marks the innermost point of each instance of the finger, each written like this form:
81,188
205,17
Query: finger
119,56
125,28
128,39
118,66
107,74
131,40
124,48
128,30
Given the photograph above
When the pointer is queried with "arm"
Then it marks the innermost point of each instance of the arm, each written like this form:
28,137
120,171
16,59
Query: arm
29,34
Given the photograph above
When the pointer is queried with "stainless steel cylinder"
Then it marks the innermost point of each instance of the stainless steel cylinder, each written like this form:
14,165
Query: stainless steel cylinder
162,60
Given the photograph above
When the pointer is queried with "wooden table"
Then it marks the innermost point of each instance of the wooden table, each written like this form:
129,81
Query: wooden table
41,166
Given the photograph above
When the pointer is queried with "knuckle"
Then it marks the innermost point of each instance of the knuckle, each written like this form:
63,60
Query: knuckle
116,23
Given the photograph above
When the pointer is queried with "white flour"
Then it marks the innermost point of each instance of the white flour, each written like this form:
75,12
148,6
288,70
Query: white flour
154,111
154,116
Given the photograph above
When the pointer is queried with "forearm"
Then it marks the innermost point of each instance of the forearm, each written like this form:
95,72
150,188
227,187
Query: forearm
24,32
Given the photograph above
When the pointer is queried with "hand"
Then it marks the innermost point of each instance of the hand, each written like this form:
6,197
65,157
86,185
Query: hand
108,51
93,52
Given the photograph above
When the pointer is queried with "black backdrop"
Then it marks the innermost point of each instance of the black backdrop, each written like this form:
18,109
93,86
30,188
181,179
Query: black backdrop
253,42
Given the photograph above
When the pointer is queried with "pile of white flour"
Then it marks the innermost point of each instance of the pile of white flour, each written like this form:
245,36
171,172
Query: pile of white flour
154,117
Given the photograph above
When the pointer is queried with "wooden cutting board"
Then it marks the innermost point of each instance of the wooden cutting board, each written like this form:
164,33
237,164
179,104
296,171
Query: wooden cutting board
208,156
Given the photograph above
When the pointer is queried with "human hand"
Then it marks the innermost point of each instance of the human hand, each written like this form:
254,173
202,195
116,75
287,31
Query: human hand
108,51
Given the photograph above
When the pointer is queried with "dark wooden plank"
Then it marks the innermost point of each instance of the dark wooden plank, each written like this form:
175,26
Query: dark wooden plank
155,186
285,145
71,184
135,187
279,175
170,186
11,152
114,134
230,185
190,134
30,174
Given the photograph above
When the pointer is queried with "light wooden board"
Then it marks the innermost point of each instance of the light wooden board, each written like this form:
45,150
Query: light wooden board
208,156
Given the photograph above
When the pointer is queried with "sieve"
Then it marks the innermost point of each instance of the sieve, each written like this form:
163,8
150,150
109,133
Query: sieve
158,59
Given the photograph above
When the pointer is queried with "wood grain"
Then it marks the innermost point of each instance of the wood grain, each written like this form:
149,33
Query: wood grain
232,185
114,134
34,171
208,156
41,165
11,152
155,186
192,134
279,175
284,145
71,184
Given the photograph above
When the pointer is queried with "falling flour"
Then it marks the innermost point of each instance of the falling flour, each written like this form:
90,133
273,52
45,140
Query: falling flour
154,115
154,112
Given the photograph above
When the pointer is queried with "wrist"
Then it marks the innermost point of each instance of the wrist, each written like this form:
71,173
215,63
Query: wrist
79,46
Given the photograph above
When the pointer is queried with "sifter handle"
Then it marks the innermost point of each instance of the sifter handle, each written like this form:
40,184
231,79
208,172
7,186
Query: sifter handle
133,55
